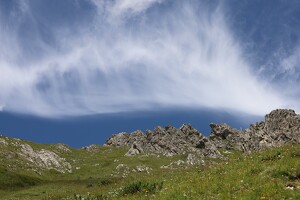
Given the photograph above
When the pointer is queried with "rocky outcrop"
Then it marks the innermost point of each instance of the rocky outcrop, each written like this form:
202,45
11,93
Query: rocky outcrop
227,138
280,127
45,159
63,148
168,141
3,142
92,148
118,140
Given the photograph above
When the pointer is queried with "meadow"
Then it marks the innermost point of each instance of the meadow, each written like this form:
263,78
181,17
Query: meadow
108,174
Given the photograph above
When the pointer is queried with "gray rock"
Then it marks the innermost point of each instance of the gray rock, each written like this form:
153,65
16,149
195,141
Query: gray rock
135,149
192,159
122,170
45,159
280,127
174,165
118,140
63,148
91,148
122,167
168,141
142,168
3,142
227,138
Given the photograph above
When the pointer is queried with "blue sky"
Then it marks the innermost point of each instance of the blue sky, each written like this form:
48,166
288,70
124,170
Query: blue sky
143,62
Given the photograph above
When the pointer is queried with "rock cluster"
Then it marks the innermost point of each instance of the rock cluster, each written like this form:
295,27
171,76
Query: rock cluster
91,148
3,142
168,141
63,148
45,159
123,170
280,127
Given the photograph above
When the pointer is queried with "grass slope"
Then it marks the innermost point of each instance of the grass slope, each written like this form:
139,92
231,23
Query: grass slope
270,174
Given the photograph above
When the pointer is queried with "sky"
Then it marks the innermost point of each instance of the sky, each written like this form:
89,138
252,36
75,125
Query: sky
90,68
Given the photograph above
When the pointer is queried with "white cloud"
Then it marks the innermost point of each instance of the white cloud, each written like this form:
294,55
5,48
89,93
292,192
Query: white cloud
185,57
291,63
120,9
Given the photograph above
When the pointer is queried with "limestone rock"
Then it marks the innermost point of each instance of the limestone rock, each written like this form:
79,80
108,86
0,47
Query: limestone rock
227,138
91,148
192,159
280,127
3,142
135,149
45,159
63,148
142,168
122,167
118,140
168,141
174,165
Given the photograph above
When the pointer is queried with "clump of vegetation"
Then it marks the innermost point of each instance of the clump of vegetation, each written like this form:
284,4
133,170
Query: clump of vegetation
91,182
282,173
295,154
272,156
141,187
106,181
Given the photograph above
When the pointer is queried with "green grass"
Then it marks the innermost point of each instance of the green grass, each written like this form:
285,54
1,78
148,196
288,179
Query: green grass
262,175
9,180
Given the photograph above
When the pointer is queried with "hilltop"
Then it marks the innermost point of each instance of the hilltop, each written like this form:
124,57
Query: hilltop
262,161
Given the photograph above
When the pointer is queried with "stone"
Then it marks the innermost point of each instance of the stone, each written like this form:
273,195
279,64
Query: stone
168,141
135,149
3,142
91,148
45,159
142,168
118,140
281,126
192,159
63,148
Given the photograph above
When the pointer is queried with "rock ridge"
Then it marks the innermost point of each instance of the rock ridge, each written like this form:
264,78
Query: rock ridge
168,141
280,127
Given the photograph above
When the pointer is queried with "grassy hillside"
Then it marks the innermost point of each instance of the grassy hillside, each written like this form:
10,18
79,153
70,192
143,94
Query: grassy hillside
108,174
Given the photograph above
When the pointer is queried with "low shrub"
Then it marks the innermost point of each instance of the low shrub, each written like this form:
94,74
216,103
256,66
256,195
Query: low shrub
272,157
99,182
295,154
105,181
282,174
290,175
141,187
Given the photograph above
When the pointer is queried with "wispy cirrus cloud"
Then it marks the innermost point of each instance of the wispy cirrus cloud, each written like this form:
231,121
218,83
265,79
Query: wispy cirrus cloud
131,55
